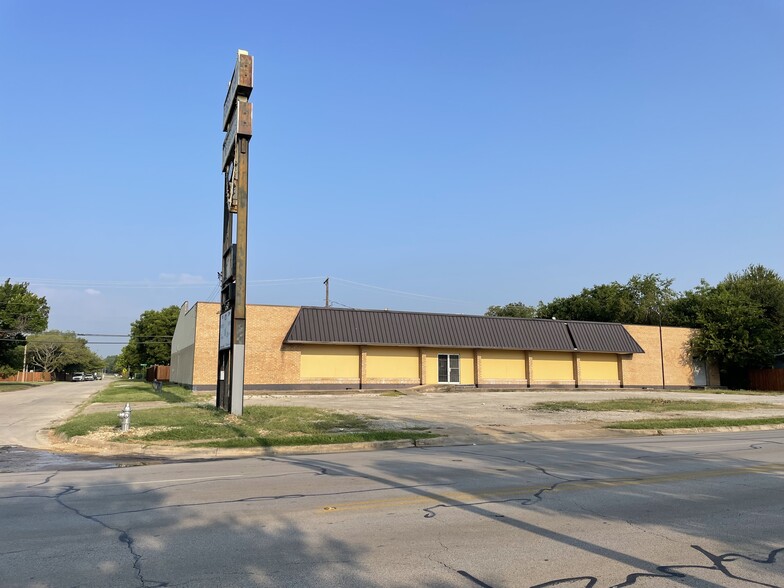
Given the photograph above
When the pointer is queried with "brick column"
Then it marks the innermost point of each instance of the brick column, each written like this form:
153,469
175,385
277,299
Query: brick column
576,369
362,365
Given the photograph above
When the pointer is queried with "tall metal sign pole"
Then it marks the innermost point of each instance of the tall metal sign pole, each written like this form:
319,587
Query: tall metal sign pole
238,126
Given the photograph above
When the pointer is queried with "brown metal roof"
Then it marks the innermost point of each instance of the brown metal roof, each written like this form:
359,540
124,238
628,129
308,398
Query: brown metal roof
419,329
602,337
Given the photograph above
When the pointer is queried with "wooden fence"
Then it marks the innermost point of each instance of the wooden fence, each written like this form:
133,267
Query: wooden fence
29,377
769,380
158,372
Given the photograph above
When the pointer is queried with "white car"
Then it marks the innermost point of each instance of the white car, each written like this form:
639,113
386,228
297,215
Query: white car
78,377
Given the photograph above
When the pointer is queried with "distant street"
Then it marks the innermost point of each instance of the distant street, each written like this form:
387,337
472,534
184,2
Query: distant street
701,511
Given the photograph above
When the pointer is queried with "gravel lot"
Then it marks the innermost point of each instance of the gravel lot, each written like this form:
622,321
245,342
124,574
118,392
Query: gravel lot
497,416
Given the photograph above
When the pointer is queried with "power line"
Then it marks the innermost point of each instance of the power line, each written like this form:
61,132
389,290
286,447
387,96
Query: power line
110,283
158,339
400,292
284,280
140,284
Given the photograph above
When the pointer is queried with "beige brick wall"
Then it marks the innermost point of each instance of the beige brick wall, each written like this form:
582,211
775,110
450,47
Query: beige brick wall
267,361
645,369
205,353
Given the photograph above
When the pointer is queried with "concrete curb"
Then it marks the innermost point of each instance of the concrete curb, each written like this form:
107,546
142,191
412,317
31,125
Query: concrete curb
697,430
82,445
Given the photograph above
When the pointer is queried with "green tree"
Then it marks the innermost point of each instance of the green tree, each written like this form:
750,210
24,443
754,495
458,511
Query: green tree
21,312
741,323
150,341
514,309
128,359
110,363
643,300
55,351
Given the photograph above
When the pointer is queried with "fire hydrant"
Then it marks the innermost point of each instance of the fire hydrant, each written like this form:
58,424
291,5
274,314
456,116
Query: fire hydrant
125,418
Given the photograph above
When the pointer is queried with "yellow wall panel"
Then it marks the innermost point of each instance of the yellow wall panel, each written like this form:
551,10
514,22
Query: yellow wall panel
503,365
552,365
598,366
329,362
392,363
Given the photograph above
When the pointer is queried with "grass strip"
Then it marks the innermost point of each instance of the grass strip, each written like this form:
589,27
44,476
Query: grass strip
264,426
139,391
694,423
646,405
357,437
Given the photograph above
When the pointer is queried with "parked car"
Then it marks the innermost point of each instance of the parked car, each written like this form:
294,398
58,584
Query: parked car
78,377
88,377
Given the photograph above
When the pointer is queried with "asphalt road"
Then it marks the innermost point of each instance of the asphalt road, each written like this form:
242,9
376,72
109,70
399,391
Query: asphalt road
697,510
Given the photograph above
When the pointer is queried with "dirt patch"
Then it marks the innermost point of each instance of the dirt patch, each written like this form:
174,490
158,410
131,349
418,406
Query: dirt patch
104,434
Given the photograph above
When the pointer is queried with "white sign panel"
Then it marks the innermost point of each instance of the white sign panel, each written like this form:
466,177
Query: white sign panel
224,341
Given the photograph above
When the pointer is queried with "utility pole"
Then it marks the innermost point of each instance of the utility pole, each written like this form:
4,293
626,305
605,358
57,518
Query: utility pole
661,352
326,300
24,364
238,126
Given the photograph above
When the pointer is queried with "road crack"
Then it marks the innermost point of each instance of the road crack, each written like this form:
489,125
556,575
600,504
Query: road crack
678,571
123,535
535,497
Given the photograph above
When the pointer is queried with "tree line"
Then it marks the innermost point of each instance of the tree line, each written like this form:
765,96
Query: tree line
24,338
24,317
150,340
739,321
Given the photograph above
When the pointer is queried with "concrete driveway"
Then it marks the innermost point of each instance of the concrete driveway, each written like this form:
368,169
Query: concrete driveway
23,413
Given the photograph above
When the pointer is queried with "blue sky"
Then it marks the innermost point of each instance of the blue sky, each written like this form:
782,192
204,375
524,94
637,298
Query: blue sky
426,155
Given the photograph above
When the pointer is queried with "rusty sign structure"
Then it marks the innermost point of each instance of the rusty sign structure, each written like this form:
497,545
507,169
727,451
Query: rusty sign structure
238,126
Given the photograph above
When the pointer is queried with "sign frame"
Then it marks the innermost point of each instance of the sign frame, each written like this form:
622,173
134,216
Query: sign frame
224,333
241,85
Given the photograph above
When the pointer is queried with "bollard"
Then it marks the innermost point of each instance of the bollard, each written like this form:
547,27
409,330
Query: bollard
125,418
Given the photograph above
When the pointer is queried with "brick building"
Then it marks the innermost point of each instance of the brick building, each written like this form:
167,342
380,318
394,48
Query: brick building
290,347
